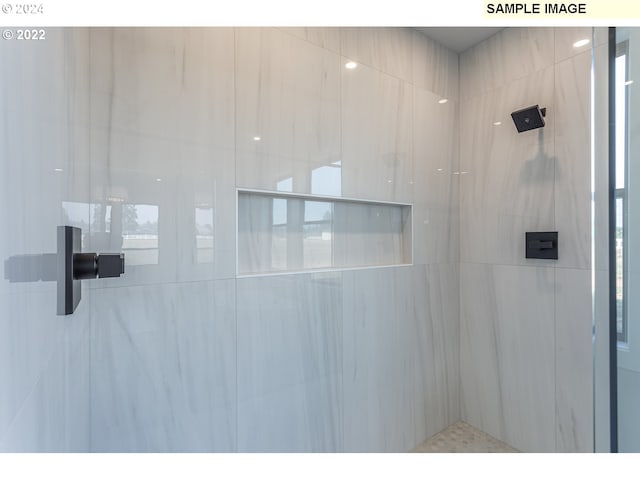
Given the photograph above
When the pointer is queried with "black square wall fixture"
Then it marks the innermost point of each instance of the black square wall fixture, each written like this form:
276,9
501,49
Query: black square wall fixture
541,245
529,118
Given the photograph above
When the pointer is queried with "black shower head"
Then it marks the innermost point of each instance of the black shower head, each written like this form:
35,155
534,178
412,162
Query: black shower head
529,118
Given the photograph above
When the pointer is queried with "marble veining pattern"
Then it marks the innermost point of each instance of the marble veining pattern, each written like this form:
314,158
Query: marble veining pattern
287,111
163,371
161,100
54,417
377,160
574,365
378,366
290,363
573,166
531,181
387,49
507,353
325,37
508,55
435,68
163,375
436,179
44,183
173,83
509,184
400,357
565,37
436,349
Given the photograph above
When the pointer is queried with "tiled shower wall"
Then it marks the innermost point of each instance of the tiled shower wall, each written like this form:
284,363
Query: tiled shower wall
526,327
180,354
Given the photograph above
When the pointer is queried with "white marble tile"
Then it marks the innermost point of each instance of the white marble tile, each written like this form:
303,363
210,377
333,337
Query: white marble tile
565,37
287,112
128,200
387,49
48,82
400,356
376,135
574,361
163,368
290,363
161,108
573,161
325,37
261,248
371,234
436,187
44,183
206,214
162,189
173,83
435,346
601,36
34,347
44,139
508,187
435,67
507,353
510,54
54,417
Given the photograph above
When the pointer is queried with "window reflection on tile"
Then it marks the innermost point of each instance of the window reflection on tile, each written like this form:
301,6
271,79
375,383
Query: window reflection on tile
301,234
100,218
285,185
282,233
327,180
75,215
279,234
128,228
204,234
140,234
318,234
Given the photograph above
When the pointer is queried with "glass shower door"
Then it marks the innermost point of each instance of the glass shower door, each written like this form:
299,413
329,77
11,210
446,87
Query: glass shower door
626,146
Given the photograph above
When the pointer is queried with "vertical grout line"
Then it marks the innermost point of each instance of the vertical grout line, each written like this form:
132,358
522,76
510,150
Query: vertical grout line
343,400
555,223
235,233
555,356
458,140
592,225
89,134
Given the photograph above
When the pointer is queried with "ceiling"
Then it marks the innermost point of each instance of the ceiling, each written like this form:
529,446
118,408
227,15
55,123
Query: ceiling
459,39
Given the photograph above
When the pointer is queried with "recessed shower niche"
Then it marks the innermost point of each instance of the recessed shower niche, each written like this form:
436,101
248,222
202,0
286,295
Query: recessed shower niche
282,232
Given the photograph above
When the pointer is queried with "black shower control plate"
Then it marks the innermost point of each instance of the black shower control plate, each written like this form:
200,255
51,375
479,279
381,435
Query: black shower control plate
75,265
541,245
69,289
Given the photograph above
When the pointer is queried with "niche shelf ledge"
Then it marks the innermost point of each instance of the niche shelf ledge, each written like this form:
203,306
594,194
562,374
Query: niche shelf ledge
283,232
